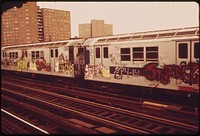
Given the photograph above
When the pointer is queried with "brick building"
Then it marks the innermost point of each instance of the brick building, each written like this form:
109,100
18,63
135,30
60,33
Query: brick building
30,24
94,29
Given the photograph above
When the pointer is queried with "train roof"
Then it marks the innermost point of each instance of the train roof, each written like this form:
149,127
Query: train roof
74,42
169,34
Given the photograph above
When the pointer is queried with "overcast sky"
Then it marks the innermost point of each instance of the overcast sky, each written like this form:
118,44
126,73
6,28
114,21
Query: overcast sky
130,17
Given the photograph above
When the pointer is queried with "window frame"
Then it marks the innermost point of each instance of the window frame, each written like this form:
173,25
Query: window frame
97,53
37,55
105,52
183,53
148,52
196,50
138,52
125,54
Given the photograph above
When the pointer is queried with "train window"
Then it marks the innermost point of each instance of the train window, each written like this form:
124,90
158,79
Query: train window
33,54
196,50
97,52
4,54
151,53
51,53
183,51
42,54
13,55
24,53
125,54
37,55
138,54
56,52
105,52
16,55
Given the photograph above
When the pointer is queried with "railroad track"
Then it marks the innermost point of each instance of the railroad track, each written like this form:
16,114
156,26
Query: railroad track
122,119
12,124
114,99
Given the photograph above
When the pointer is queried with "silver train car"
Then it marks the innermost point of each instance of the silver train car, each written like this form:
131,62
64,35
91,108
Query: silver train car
167,59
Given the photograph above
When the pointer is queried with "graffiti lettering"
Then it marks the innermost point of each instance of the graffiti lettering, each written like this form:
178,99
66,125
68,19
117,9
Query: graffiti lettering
188,73
121,72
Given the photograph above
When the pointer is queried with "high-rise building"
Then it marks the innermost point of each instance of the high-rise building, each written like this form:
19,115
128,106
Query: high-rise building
97,28
108,29
19,25
85,30
30,24
56,24
94,29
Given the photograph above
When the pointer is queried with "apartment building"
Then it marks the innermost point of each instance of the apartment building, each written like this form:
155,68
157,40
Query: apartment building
19,25
30,24
56,24
94,29
85,30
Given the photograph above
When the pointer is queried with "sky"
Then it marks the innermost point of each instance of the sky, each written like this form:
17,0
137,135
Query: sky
130,17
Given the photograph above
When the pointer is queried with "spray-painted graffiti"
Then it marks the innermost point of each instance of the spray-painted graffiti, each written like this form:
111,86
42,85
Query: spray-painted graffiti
125,72
97,71
115,57
188,73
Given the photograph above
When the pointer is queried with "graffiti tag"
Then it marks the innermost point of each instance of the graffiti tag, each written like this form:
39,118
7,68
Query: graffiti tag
120,72
188,73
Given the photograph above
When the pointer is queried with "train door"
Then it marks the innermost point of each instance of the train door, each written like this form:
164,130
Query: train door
79,62
187,51
101,56
188,61
183,52
195,51
24,53
54,64
25,59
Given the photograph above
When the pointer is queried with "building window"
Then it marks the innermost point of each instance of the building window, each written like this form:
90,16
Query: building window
138,54
125,54
105,52
151,53
196,50
183,50
97,52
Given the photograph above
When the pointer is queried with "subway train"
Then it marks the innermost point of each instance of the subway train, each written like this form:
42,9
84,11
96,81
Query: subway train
163,59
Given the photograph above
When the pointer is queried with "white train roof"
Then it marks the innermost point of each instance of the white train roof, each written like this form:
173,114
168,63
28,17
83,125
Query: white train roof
150,36
75,42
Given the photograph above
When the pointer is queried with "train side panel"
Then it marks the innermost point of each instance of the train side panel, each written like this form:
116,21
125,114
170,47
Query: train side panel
150,64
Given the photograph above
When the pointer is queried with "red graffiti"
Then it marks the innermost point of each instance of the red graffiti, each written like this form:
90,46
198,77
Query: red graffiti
188,73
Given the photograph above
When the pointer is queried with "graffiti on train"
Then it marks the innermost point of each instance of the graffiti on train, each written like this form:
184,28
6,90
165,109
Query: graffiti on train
125,72
187,73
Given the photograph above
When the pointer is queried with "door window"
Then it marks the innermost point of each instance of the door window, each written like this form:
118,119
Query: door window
97,52
183,51
105,52
196,50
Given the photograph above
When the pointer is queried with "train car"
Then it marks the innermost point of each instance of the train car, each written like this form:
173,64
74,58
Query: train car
167,59
64,58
